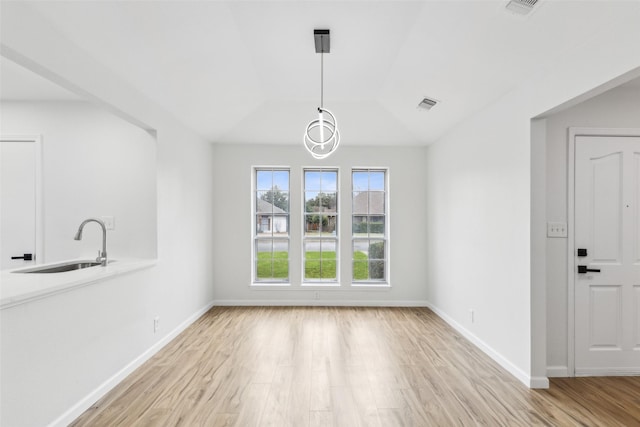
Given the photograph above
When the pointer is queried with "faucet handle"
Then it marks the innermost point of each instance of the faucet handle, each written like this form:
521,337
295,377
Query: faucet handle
102,258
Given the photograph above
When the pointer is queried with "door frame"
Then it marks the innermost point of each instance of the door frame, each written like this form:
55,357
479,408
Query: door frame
571,269
39,202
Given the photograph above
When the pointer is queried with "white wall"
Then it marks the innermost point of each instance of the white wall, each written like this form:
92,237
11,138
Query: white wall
406,211
479,190
619,108
478,254
95,164
71,348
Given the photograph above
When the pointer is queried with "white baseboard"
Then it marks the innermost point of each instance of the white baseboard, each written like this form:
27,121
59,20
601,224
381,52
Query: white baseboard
85,403
557,371
531,382
318,303
538,382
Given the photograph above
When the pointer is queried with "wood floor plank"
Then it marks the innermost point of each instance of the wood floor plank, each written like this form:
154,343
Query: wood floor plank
320,399
330,366
345,412
320,419
365,405
387,397
391,417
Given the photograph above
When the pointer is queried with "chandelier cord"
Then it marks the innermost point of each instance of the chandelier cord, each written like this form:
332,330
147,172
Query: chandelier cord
321,80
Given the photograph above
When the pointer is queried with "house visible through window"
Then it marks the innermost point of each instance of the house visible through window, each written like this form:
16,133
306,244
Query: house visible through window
320,239
368,225
271,241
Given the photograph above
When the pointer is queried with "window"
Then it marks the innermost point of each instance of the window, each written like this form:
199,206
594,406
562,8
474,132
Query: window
320,236
271,237
369,225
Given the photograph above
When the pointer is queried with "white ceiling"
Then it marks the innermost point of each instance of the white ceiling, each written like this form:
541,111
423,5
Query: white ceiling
247,72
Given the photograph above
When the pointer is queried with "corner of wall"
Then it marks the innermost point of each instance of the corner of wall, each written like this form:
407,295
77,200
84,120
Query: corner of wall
538,250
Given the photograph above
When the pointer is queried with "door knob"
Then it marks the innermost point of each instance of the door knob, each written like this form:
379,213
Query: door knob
582,269
26,257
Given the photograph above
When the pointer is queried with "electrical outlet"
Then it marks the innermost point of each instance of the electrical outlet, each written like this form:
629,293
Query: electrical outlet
156,324
109,222
556,229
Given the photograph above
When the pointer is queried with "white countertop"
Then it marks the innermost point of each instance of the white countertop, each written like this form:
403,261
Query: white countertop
18,288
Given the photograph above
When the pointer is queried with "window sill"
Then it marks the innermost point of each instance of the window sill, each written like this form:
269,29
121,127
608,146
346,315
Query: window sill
321,287
270,285
371,285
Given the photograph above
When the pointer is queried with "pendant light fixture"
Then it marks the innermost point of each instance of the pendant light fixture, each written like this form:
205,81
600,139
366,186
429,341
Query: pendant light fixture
322,137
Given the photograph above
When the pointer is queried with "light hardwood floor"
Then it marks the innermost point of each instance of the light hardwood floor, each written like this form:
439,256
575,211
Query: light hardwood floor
345,367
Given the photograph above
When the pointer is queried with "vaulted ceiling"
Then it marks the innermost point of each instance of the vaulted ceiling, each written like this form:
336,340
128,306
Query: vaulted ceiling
247,72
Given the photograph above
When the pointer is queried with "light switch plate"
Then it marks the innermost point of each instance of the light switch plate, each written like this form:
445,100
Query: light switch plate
109,222
556,229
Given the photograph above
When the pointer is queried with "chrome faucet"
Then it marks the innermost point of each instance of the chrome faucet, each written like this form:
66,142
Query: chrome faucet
102,256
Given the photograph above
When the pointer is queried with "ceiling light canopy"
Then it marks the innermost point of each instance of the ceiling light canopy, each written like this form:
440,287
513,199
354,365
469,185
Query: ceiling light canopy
321,138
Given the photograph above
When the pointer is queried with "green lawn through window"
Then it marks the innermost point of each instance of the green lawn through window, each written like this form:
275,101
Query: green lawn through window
273,268
360,266
315,267
320,265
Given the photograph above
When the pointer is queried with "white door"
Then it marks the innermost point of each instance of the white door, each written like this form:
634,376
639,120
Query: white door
607,227
18,202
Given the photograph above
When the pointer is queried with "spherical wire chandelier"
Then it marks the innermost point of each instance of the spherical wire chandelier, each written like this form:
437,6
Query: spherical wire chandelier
322,137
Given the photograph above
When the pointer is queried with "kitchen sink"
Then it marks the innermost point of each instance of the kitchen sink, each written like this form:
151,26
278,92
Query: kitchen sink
60,268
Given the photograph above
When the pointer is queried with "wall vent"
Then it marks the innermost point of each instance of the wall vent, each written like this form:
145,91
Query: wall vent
521,7
427,103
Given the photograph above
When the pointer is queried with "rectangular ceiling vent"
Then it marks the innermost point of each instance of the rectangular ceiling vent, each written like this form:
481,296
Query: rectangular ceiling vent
427,104
521,7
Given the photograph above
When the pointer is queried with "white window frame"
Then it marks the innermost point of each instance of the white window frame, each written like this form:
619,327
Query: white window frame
255,281
386,236
320,282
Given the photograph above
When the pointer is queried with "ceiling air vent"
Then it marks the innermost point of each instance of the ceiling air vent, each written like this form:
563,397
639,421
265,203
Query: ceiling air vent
521,7
427,104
